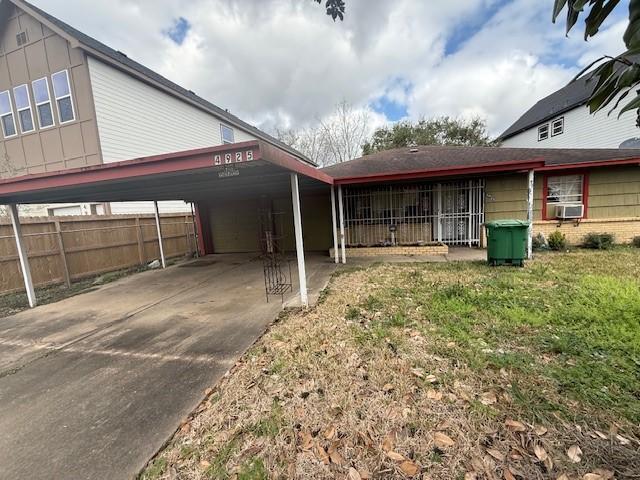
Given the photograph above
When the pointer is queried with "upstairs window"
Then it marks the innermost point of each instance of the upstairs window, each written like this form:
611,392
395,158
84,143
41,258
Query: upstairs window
6,115
557,127
543,132
42,100
62,94
23,106
227,134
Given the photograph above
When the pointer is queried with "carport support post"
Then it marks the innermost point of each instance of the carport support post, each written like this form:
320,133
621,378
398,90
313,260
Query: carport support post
334,223
530,188
159,229
297,223
22,255
341,208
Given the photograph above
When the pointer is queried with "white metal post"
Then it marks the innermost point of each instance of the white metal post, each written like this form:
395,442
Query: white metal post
22,255
297,224
342,239
334,224
439,207
530,214
159,229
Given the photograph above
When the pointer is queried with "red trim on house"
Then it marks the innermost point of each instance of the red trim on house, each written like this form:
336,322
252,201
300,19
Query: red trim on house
585,191
285,160
582,166
440,172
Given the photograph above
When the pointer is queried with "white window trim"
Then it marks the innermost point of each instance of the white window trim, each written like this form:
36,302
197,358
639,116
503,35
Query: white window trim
13,117
561,122
222,127
70,96
33,123
540,138
53,117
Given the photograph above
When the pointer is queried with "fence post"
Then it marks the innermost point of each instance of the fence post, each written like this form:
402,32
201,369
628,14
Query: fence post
187,233
140,236
63,255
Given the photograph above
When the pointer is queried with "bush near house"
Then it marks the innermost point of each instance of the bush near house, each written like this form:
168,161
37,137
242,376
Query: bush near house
557,240
599,241
636,241
435,371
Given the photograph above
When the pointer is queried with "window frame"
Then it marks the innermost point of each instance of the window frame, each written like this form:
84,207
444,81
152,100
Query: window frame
540,127
35,102
62,97
585,191
13,117
561,120
222,127
28,107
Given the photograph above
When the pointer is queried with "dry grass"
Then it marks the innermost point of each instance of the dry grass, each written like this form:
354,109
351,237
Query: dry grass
366,386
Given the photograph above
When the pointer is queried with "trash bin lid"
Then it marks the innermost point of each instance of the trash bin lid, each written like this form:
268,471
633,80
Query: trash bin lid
507,223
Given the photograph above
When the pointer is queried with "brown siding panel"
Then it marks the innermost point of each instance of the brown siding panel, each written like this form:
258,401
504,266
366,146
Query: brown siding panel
62,146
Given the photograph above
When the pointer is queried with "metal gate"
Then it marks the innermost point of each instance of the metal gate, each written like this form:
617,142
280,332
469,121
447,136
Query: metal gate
415,214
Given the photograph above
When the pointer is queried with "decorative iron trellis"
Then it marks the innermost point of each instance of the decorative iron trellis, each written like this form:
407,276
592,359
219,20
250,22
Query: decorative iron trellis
276,267
415,214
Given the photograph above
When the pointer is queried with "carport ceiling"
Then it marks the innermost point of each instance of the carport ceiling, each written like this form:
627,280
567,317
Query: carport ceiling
204,181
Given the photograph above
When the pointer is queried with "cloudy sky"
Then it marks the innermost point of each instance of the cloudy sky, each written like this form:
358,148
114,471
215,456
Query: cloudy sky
285,63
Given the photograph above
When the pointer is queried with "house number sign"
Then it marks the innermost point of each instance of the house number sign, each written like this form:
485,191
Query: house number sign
232,157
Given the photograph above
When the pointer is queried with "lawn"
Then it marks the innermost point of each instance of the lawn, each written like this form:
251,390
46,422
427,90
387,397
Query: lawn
436,371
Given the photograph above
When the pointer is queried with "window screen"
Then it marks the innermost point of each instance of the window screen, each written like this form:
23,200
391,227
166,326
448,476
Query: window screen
227,134
42,100
565,189
62,93
557,127
6,115
23,106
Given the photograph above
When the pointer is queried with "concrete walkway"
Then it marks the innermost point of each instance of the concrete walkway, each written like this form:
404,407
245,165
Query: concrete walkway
92,386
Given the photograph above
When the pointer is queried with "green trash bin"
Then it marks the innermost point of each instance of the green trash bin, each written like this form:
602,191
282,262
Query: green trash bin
507,242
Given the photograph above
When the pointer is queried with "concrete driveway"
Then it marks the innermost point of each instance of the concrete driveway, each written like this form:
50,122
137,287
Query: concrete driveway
92,386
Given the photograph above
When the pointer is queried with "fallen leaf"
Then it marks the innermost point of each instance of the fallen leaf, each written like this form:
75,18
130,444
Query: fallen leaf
409,468
540,452
387,388
601,435
540,430
306,440
515,426
496,454
622,440
208,391
548,463
444,425
330,432
354,474
418,372
574,453
592,476
606,474
395,456
562,477
471,476
205,464
431,379
434,394
443,441
389,441
322,455
334,455
488,398
508,475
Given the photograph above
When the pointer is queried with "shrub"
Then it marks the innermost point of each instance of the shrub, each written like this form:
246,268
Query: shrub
636,241
539,242
557,240
598,241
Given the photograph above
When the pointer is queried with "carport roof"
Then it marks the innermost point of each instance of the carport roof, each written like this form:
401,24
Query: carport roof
180,175
434,161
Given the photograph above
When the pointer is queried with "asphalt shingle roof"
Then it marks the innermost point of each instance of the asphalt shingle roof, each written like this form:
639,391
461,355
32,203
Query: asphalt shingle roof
426,158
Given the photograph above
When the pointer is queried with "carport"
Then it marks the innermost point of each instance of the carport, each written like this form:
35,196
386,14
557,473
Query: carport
234,187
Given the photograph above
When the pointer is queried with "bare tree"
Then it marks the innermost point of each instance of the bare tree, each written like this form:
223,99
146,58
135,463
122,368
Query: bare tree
335,139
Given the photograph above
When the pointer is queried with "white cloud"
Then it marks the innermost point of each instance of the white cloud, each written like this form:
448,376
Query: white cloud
284,62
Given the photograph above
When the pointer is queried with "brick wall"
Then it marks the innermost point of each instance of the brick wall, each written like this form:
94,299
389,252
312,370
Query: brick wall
400,250
624,229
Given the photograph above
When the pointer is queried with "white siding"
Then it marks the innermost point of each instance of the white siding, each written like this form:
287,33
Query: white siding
582,130
137,120
130,208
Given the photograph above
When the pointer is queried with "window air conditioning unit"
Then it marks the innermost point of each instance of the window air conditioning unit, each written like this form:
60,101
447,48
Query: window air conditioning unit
569,211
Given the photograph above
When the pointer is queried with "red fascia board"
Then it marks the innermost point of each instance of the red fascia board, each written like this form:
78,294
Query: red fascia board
285,160
584,165
444,172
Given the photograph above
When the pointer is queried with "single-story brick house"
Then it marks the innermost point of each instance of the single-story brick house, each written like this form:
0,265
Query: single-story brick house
83,123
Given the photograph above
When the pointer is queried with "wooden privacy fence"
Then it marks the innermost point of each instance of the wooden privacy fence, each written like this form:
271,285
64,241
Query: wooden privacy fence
63,249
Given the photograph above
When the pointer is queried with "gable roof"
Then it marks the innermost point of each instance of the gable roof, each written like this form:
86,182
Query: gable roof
447,161
567,98
123,62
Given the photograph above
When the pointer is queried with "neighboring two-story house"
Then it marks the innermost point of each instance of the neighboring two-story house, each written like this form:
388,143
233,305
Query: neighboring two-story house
562,120
68,101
